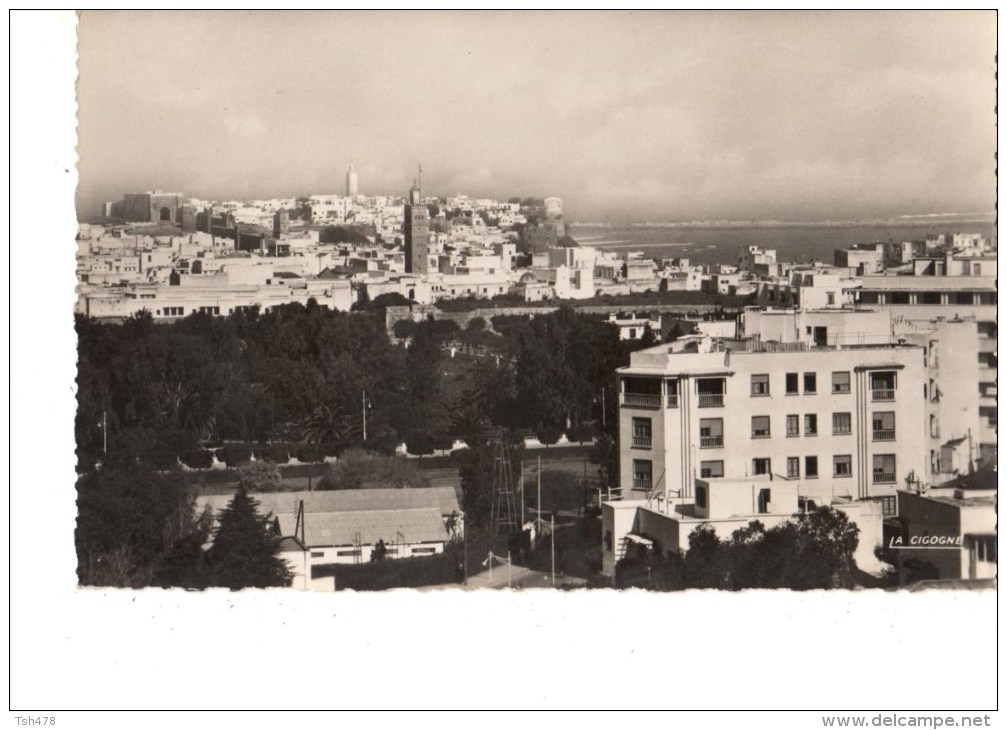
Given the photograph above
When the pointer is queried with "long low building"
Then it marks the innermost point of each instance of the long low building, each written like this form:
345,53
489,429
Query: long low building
324,529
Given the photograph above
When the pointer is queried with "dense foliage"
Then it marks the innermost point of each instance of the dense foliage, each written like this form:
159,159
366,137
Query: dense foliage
254,389
305,375
814,551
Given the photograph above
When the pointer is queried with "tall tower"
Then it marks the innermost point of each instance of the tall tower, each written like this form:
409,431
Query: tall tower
351,182
416,228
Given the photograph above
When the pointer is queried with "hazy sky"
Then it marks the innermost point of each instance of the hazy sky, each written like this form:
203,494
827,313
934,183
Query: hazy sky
653,115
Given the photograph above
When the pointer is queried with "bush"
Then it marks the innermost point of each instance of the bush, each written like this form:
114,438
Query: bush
329,449
580,434
438,569
235,454
420,443
197,459
548,434
309,453
278,453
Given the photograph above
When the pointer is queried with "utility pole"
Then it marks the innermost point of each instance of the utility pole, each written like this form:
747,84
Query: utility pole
539,508
363,411
552,546
522,493
104,432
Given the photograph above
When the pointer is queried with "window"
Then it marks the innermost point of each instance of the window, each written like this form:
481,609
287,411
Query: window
883,426
761,466
811,424
641,433
884,469
348,553
760,427
317,554
792,388
793,466
883,386
793,429
842,423
641,392
672,389
711,469
811,467
810,383
711,433
935,427
764,501
760,385
841,382
842,466
701,497
830,298
710,392
642,474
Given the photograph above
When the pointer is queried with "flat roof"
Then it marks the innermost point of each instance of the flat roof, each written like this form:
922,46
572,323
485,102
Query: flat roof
408,526
444,499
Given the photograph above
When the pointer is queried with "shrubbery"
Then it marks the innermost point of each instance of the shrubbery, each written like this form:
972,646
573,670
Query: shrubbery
235,454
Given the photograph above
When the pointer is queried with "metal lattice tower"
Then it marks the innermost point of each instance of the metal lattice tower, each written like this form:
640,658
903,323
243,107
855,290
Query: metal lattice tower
503,511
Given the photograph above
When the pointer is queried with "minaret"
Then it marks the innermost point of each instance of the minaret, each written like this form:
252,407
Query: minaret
351,182
416,230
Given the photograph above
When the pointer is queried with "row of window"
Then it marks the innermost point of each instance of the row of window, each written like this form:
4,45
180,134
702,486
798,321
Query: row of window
928,297
796,383
883,467
711,430
646,392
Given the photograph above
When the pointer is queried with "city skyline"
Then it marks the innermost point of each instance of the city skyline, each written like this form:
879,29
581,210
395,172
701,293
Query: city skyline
673,116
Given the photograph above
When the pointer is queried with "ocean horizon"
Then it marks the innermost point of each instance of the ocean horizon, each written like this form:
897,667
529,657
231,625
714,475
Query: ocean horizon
724,242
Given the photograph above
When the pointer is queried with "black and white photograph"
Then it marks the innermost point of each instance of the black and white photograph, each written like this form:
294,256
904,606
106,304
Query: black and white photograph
645,323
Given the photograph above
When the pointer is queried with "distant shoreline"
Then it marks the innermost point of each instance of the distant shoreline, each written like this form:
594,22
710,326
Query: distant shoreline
912,221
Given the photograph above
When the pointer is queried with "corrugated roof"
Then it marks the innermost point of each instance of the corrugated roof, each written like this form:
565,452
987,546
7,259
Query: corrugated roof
444,499
343,528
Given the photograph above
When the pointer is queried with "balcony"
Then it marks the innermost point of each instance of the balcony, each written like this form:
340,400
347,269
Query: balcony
711,400
641,400
641,442
643,484
885,434
882,394
673,400
883,478
711,442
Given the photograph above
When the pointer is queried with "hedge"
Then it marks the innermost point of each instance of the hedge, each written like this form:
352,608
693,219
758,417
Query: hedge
440,569
236,454
197,459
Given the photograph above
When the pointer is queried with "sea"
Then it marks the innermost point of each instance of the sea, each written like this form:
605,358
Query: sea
720,244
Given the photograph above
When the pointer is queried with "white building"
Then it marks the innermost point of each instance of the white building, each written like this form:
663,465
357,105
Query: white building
830,425
323,529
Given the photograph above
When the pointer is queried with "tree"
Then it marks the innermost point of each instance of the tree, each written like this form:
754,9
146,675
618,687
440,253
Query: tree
476,475
605,454
129,519
357,469
259,476
245,550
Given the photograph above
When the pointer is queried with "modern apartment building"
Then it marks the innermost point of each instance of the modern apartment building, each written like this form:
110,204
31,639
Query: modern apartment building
949,287
765,429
